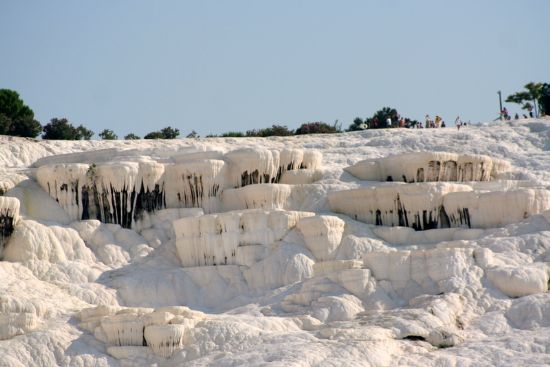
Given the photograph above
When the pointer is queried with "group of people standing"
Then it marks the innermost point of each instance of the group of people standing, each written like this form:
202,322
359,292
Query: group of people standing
429,123
505,116
433,124
438,122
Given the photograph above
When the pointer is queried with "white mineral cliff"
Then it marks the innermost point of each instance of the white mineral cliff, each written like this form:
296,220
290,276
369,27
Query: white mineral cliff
347,249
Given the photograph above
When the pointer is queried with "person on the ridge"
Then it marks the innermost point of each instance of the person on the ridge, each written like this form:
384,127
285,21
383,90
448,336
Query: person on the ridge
437,121
505,114
530,109
458,122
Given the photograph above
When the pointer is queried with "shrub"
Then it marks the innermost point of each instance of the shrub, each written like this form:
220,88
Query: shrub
62,129
193,135
83,133
232,134
108,134
317,128
274,130
165,133
131,136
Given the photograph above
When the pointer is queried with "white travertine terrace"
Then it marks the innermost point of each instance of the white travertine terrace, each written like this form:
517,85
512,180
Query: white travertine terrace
438,205
494,209
417,272
429,167
415,205
119,192
195,184
16,323
161,331
224,239
123,329
10,179
322,235
264,196
164,340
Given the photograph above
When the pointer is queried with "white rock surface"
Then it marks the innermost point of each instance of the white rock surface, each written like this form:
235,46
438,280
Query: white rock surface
520,281
429,167
165,339
218,239
322,235
438,205
299,289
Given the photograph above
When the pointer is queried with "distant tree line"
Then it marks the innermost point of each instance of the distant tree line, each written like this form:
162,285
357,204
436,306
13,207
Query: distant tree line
17,119
280,130
535,96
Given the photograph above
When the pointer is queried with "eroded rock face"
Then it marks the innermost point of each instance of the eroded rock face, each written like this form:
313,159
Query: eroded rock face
521,280
123,329
438,205
418,205
9,215
164,340
232,237
120,192
312,287
16,323
126,330
429,167
268,196
412,273
322,235
20,316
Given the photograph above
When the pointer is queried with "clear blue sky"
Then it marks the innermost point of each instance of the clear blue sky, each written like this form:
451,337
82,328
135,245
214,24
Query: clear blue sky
215,66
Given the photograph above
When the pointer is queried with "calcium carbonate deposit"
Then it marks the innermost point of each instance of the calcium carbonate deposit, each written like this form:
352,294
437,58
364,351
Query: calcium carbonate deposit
395,247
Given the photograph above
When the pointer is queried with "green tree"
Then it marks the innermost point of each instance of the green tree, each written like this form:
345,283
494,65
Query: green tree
280,130
544,100
107,134
25,127
83,133
16,118
131,136
533,93
274,130
5,123
358,124
383,115
232,134
170,133
379,120
154,135
62,129
165,133
317,128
